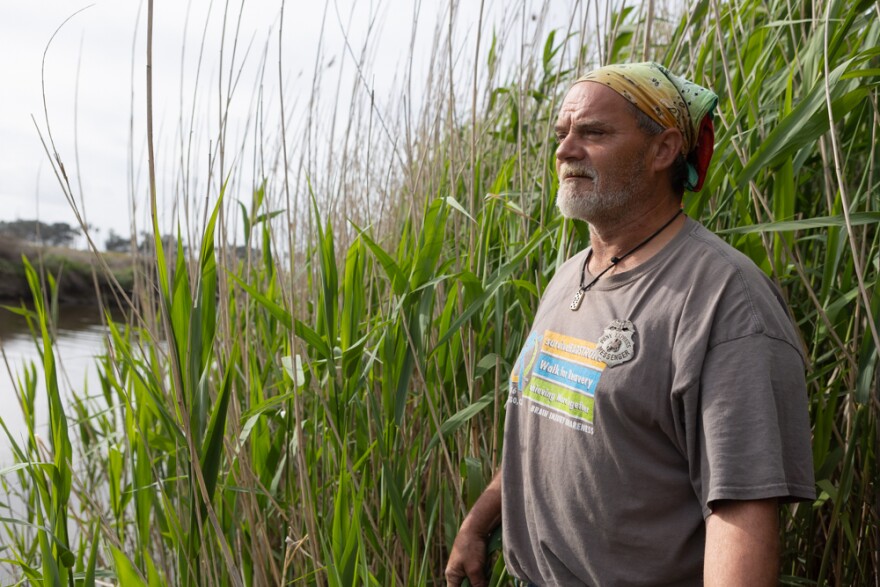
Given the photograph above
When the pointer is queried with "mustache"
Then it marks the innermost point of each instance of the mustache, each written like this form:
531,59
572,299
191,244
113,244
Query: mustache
567,170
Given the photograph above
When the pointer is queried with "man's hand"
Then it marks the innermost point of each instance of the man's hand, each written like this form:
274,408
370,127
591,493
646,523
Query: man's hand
467,560
468,557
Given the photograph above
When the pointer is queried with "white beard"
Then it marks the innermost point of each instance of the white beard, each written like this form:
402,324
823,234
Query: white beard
595,202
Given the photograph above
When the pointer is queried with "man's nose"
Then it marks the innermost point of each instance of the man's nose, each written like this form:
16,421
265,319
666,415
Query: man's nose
567,148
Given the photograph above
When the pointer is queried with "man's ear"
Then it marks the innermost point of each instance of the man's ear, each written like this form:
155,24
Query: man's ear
667,146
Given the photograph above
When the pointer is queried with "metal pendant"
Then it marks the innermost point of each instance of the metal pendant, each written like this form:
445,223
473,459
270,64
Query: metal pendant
576,302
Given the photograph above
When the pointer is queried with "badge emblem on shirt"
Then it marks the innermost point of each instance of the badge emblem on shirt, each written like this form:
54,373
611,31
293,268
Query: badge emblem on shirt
616,345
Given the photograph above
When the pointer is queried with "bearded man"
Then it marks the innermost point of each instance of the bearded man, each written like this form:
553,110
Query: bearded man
657,415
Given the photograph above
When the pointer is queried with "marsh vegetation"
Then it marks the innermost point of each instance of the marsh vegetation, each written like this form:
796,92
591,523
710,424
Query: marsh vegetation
323,407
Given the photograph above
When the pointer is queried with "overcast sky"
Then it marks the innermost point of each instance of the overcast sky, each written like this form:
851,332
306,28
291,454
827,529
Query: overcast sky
94,77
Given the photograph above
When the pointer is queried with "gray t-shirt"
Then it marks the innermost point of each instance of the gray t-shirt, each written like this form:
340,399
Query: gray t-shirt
676,384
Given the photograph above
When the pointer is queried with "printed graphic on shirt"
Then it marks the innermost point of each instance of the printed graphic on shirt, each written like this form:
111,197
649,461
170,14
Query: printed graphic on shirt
523,367
557,375
563,381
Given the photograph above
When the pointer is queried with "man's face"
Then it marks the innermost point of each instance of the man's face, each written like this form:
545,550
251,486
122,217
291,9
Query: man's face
601,159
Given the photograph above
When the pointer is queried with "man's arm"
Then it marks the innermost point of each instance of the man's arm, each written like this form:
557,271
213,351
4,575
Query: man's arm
468,557
742,543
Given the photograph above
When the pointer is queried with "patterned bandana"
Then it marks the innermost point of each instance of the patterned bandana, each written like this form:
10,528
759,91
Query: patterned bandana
670,101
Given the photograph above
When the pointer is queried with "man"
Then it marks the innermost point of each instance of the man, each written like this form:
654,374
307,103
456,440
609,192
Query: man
657,415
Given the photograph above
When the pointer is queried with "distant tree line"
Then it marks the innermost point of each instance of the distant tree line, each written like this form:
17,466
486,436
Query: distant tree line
57,234
117,243
61,234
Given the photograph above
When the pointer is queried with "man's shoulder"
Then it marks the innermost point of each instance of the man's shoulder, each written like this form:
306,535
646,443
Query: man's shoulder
713,249
745,299
709,260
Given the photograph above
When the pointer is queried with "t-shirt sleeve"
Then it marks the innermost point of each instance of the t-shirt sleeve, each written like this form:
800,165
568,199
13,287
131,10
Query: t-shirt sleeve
751,424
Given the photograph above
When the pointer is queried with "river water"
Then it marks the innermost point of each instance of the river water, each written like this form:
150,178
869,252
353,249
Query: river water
80,337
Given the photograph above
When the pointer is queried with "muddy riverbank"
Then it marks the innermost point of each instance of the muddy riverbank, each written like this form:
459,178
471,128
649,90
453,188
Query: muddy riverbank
79,275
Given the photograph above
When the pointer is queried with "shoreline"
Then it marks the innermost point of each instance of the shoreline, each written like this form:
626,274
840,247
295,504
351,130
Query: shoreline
71,268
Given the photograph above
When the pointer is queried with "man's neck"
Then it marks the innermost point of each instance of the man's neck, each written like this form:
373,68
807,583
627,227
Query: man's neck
616,239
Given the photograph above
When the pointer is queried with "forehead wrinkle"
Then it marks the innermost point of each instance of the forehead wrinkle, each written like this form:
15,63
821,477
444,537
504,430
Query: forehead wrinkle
582,124
591,103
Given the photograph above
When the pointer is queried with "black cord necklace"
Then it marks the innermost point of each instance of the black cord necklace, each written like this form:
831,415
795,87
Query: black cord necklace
579,296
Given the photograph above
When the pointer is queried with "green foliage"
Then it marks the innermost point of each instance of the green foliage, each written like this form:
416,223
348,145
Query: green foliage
327,421
793,182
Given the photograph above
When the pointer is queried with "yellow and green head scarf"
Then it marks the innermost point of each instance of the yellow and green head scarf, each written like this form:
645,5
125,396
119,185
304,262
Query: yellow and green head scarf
670,101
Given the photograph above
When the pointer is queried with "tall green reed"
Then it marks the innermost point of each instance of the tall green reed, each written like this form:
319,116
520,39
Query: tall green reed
324,408
48,468
794,187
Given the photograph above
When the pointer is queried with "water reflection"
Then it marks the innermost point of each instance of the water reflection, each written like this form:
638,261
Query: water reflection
80,338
